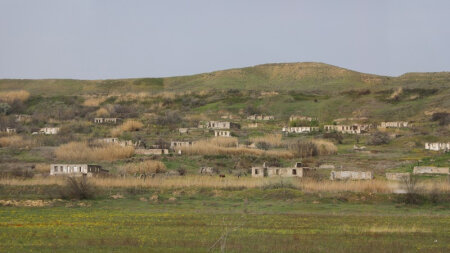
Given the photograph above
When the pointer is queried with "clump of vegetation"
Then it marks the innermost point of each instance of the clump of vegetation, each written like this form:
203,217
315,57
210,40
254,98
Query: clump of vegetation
302,148
127,126
15,95
15,141
442,117
224,141
268,141
146,167
379,138
337,137
77,188
169,118
81,151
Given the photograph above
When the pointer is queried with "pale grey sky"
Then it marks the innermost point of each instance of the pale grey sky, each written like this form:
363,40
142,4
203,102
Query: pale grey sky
101,39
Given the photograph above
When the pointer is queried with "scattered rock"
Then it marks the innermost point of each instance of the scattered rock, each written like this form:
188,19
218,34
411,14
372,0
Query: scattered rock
117,196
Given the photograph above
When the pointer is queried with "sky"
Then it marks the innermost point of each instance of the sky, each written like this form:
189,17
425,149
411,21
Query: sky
105,39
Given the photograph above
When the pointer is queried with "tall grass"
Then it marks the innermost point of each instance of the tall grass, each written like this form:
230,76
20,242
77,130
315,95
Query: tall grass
273,140
94,101
11,96
15,141
145,167
82,152
129,125
220,146
302,148
310,186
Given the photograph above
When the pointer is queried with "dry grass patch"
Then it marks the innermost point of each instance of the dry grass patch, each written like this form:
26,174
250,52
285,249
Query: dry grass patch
81,151
145,167
273,140
221,147
15,141
313,147
129,125
94,101
11,96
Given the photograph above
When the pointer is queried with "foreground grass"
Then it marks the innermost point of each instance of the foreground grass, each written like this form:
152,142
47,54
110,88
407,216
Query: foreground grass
253,220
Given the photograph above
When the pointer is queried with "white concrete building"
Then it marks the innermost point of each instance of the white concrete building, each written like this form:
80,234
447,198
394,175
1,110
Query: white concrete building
299,130
49,130
353,175
222,133
76,170
296,171
438,146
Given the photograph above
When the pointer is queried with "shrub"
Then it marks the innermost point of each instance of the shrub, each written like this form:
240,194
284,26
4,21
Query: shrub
169,118
335,136
4,108
308,148
77,188
379,138
442,117
81,151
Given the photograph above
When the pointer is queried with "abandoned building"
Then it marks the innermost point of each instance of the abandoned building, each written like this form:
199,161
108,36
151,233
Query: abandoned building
23,118
179,144
398,176
123,143
252,125
183,130
208,171
301,118
152,151
222,133
76,170
49,130
353,175
327,166
347,129
430,170
10,130
394,124
228,116
299,130
296,171
221,125
106,120
438,146
260,117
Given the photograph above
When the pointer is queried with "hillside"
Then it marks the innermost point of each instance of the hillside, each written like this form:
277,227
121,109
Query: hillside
283,76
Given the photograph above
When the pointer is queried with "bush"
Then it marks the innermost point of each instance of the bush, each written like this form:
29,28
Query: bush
129,125
303,148
169,118
335,136
77,188
379,138
442,117
146,167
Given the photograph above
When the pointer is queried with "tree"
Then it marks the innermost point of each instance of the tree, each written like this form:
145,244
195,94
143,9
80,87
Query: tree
4,108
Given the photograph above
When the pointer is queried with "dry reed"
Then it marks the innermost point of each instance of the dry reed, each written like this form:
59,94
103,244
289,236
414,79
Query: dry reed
274,140
145,167
81,151
11,96
15,141
129,125
310,186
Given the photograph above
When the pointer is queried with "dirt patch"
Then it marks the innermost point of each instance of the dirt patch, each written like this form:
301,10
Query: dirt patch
27,203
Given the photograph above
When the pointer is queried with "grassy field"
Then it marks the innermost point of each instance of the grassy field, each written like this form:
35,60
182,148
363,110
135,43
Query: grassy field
233,221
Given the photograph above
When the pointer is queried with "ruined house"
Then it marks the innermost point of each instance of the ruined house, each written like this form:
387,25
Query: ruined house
76,170
123,143
228,116
260,117
438,146
296,171
183,130
430,170
23,118
348,129
179,144
301,118
10,130
398,176
222,133
151,151
353,175
253,125
394,124
221,125
106,120
49,130
208,171
298,130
